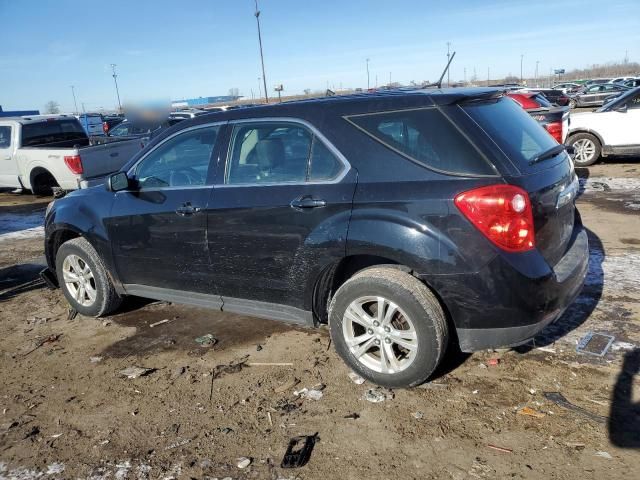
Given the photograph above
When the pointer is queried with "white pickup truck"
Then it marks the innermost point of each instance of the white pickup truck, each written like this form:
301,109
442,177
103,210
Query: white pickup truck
42,152
613,129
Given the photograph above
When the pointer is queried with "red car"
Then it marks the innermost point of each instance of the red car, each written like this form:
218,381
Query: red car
554,119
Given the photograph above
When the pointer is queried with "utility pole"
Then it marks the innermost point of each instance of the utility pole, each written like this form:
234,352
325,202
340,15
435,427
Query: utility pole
448,69
389,78
465,77
376,80
368,86
115,80
488,76
521,59
536,80
264,77
75,104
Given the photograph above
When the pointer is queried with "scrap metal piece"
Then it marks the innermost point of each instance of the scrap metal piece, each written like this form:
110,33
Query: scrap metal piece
560,400
301,455
596,344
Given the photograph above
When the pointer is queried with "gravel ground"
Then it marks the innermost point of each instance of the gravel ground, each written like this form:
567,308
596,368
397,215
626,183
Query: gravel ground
67,412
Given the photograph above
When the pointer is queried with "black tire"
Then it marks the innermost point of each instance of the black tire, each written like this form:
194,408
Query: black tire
418,303
581,160
43,183
106,298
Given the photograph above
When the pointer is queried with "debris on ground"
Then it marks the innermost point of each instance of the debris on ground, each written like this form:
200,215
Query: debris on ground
289,384
299,451
355,378
576,445
314,393
596,344
106,323
233,367
352,416
378,395
603,454
500,449
530,412
96,359
73,313
177,372
270,364
35,321
560,400
243,462
207,340
418,415
493,362
135,372
42,341
166,320
178,444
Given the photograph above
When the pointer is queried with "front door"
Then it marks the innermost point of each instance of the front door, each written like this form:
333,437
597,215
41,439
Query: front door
279,210
8,165
158,227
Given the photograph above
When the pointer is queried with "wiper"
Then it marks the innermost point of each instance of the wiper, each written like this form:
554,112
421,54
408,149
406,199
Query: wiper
552,152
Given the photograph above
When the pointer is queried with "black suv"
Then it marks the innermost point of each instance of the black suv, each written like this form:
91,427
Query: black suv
404,219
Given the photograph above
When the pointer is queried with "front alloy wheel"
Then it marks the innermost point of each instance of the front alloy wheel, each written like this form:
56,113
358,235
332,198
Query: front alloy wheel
79,280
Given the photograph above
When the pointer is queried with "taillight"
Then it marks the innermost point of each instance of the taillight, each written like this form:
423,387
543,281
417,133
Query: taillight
105,127
555,130
502,213
74,163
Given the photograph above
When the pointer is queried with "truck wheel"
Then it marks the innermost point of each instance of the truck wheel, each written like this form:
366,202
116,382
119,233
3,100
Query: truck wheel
43,183
388,327
587,149
84,280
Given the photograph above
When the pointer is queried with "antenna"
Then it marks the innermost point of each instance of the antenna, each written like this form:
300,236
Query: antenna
444,72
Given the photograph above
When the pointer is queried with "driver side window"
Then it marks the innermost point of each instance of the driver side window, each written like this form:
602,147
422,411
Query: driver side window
181,161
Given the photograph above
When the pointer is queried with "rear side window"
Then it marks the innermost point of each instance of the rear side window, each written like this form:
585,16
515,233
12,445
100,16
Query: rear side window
42,133
5,137
512,129
427,137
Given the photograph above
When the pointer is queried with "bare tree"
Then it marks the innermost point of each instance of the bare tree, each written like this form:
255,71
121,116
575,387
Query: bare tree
234,92
52,107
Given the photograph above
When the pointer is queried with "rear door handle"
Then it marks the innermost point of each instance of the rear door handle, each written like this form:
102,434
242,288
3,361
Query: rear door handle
308,201
187,209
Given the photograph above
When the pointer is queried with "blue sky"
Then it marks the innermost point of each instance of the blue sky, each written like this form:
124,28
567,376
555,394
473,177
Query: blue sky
189,48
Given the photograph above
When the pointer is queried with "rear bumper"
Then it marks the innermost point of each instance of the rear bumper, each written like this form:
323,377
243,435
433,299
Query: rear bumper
512,299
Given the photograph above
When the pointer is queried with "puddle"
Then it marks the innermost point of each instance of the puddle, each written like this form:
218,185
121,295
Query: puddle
185,325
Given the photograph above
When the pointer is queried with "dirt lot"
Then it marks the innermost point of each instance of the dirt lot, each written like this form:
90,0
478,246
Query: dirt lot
66,412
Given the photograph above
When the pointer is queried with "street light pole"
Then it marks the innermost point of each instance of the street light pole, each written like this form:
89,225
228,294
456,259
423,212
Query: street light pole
115,80
521,58
75,104
264,77
368,86
536,80
448,69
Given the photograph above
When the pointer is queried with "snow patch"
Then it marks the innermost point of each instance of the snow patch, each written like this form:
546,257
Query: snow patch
605,184
14,226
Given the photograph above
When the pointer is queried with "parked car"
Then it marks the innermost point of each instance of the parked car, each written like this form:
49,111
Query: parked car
403,226
185,114
110,121
634,82
595,95
567,87
557,97
92,123
554,119
620,79
596,81
610,130
42,152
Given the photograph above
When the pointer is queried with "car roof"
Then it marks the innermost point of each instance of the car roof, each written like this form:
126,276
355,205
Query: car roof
26,119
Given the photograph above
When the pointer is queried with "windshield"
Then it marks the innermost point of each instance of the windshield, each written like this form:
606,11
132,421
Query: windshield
519,136
51,131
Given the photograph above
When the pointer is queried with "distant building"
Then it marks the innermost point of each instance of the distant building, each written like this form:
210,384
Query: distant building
17,113
203,101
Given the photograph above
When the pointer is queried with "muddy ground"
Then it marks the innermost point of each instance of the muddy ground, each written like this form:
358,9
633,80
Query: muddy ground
66,412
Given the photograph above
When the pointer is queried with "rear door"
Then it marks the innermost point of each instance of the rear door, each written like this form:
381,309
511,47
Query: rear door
280,209
8,165
551,183
158,227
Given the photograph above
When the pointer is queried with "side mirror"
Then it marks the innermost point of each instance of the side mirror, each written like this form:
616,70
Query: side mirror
621,108
117,182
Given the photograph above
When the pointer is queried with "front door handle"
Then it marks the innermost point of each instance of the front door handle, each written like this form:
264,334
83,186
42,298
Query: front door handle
307,201
187,209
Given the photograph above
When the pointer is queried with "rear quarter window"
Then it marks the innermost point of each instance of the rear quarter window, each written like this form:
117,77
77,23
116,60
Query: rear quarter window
427,137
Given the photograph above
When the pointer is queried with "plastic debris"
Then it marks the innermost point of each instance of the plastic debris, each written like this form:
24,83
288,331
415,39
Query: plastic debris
418,415
355,378
299,451
500,449
243,462
135,372
530,412
603,454
560,400
166,320
206,340
314,393
493,362
576,445
95,359
475,392
377,395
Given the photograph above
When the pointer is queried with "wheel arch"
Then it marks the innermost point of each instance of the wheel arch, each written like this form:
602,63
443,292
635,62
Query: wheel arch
40,172
590,132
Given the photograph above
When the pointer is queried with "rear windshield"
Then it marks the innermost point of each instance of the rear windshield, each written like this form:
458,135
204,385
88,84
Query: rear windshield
51,132
427,137
519,136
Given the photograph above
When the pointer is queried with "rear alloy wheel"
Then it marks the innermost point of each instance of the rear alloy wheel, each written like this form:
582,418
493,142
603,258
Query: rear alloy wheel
83,278
573,103
388,327
587,149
